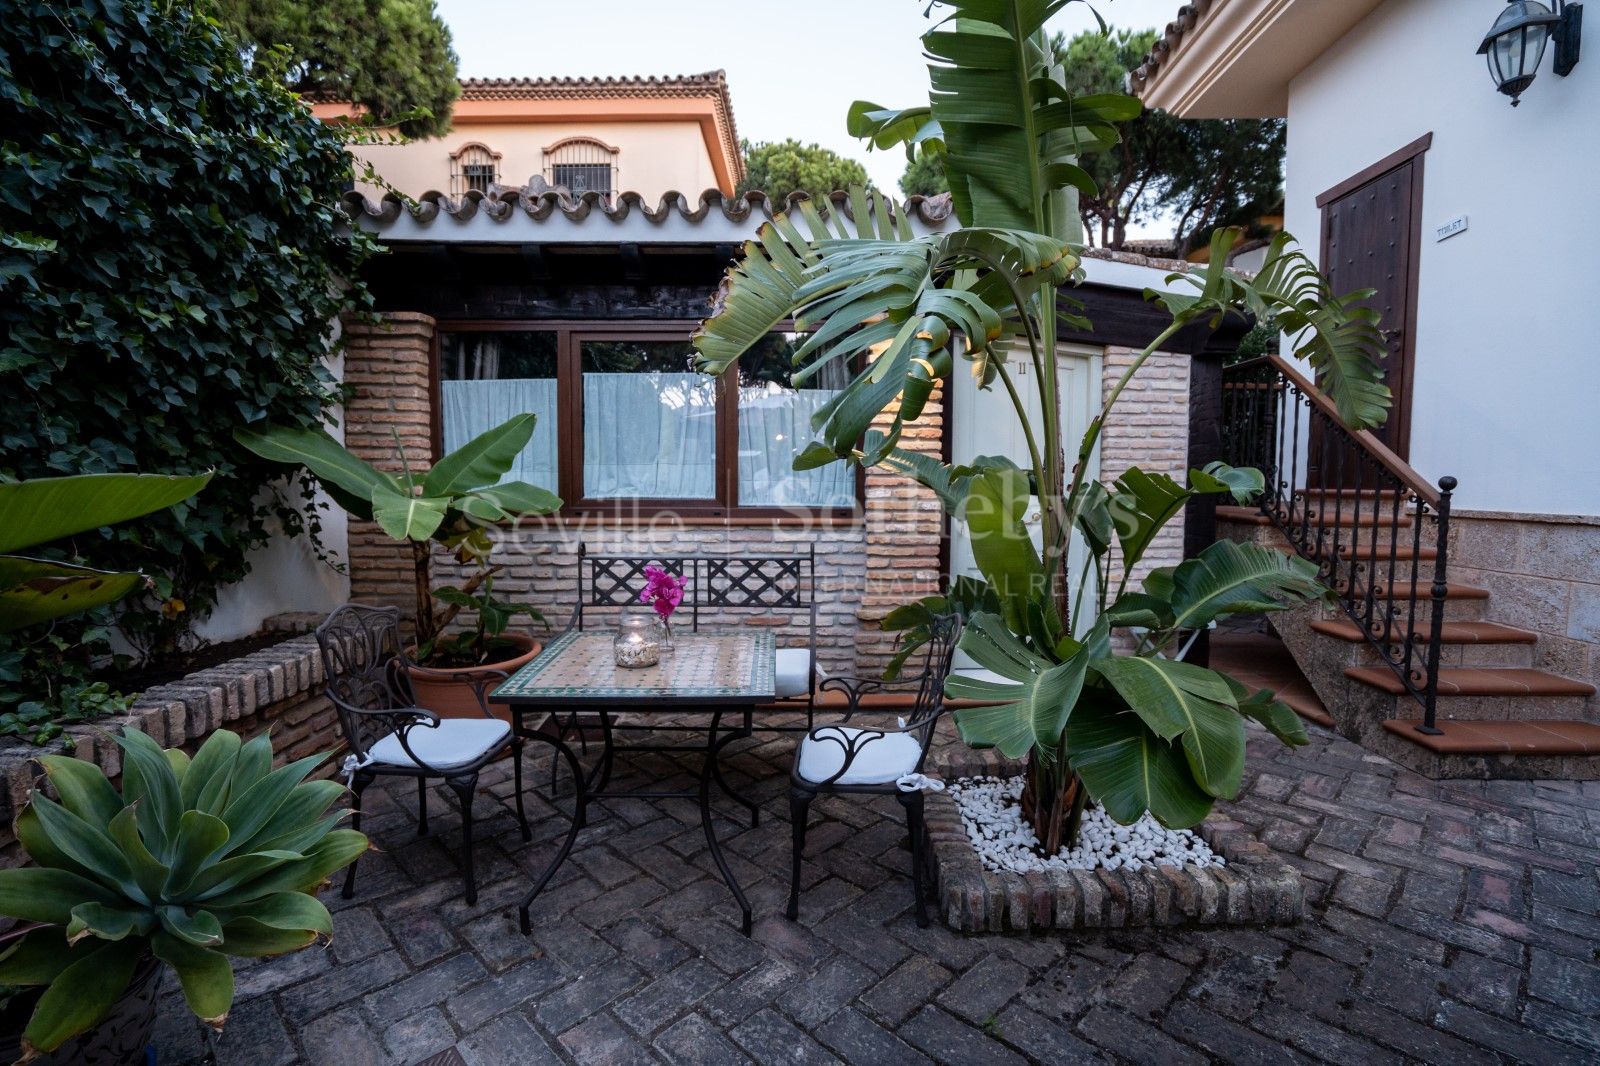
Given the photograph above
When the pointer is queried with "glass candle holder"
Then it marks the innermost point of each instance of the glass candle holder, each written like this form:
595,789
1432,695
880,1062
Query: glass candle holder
638,641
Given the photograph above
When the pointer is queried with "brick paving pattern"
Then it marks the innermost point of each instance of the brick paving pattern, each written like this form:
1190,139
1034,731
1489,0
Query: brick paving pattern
1449,922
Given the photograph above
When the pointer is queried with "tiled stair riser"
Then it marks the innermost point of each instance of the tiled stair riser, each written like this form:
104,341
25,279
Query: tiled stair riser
1254,888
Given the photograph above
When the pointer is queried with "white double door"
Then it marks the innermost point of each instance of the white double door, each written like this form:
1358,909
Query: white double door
985,423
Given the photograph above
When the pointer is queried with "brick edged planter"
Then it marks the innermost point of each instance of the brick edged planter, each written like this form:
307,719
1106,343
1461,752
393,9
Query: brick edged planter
279,687
1256,887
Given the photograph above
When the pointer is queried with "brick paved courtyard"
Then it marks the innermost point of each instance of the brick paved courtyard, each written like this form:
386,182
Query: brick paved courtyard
1450,922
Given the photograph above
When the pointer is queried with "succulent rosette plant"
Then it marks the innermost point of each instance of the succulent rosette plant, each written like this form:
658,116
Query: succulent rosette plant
192,861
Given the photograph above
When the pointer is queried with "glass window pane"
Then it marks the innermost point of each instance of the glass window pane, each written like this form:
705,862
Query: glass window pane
775,426
485,379
649,422
579,178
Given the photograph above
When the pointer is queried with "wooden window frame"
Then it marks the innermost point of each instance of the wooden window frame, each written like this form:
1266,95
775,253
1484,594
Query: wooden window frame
570,335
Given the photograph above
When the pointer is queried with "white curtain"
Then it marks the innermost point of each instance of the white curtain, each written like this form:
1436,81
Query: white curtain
472,407
651,435
774,427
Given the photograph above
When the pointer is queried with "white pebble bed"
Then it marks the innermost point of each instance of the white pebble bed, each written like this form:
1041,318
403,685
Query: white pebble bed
991,810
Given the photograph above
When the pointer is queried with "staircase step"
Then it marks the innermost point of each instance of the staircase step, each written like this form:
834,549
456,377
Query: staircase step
1344,518
1380,553
1248,516
1452,591
1534,737
1386,495
1470,681
1452,633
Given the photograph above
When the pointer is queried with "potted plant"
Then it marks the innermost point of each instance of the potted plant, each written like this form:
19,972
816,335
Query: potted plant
1134,731
456,504
193,860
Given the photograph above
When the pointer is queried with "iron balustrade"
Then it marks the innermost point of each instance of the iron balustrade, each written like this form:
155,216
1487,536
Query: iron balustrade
1346,502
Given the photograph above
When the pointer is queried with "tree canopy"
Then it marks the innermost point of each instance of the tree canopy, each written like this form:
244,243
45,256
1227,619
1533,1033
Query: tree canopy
392,57
1203,173
779,168
924,176
172,262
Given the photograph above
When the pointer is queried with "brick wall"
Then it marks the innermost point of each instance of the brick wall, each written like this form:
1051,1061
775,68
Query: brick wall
904,530
1149,428
386,369
278,688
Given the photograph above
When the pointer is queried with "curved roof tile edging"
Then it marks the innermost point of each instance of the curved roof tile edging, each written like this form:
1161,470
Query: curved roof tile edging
503,204
1188,15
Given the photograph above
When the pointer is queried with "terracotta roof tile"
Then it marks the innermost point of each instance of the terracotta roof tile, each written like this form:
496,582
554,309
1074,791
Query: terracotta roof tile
1188,15
712,83
542,201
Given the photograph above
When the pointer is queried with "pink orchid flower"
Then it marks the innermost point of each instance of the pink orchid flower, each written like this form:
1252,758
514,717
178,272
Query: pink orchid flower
662,590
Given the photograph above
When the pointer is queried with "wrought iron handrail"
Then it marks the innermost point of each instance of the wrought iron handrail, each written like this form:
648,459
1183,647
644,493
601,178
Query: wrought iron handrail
1344,500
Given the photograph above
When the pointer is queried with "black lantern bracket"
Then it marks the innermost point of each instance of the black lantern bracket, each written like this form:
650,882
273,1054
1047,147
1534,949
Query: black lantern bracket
1564,36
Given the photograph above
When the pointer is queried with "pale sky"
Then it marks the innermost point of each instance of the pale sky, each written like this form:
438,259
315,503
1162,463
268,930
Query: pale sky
793,69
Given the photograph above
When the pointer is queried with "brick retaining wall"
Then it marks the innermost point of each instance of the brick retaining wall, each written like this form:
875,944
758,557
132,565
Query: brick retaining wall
277,688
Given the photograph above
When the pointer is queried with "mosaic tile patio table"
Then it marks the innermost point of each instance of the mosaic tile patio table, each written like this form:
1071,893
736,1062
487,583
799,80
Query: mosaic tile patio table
728,675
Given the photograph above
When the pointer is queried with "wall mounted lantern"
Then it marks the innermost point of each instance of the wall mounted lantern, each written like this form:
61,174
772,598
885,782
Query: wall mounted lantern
1515,43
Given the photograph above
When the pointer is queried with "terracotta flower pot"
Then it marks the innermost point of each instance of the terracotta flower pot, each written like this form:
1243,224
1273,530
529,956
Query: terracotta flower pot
455,699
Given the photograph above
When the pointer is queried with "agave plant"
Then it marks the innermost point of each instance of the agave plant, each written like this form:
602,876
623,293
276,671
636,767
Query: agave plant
1134,730
455,503
192,861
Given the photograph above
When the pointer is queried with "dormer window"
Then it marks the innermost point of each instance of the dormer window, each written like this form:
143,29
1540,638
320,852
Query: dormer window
580,165
473,166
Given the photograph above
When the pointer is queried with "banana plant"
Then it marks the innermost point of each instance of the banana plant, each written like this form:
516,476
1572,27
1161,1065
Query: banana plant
456,503
906,311
191,861
43,510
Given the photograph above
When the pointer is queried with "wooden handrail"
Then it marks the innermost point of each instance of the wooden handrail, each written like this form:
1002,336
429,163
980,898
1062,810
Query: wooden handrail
1374,447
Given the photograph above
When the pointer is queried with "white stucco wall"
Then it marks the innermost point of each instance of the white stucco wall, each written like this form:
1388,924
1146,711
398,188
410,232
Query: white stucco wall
285,574
1506,394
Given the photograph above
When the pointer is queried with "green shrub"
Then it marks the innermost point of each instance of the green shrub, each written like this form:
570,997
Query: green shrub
172,257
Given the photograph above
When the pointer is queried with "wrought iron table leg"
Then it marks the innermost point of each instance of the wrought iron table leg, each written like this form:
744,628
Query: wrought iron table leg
580,818
727,789
713,747
600,776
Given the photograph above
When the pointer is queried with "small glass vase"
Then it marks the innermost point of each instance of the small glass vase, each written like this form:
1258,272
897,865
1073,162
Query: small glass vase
638,641
668,646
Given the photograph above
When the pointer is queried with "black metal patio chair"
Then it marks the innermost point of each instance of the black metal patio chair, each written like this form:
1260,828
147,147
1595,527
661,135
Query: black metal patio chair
844,759
368,683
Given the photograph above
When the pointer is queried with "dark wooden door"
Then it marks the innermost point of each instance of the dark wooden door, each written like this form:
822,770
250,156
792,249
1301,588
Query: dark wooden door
1369,241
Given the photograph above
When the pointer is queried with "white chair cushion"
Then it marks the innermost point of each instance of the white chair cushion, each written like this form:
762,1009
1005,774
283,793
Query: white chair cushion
453,742
793,677
878,761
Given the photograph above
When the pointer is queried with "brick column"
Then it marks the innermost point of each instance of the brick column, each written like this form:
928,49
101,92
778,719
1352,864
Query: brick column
905,529
1149,428
386,365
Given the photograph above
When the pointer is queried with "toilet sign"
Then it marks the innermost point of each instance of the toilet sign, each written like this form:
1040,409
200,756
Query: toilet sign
1451,228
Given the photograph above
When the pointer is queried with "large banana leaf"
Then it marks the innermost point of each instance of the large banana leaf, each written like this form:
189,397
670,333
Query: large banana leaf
407,517
1012,134
1181,700
1129,770
1337,335
886,299
1027,714
45,509
1143,503
481,461
350,481
1264,707
1229,577
36,590
995,511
